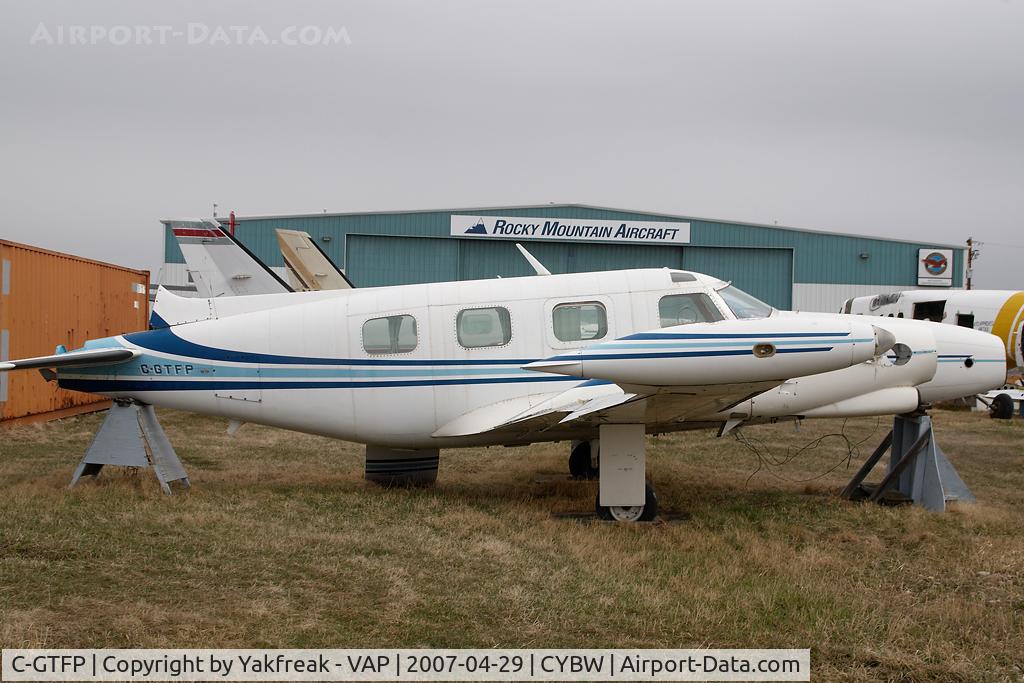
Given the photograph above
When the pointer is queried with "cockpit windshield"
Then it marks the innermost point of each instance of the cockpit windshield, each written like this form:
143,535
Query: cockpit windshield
744,305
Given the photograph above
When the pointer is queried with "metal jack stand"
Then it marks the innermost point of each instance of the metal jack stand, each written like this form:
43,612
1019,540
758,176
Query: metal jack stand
918,469
131,436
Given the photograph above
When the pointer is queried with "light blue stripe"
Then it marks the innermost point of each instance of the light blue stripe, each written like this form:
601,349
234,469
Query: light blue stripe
202,370
716,345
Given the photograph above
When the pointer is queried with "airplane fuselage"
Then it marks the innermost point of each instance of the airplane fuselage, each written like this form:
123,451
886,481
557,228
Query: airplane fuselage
394,365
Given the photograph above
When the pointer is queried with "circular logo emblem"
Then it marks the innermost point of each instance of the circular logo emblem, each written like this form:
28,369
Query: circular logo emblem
935,263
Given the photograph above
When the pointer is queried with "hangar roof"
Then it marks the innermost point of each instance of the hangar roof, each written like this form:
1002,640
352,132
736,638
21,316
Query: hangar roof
520,207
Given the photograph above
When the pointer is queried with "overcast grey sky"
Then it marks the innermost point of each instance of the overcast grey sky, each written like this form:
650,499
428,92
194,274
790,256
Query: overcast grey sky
890,118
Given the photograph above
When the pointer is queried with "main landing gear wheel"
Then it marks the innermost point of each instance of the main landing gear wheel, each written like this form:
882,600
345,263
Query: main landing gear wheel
581,465
631,513
1002,407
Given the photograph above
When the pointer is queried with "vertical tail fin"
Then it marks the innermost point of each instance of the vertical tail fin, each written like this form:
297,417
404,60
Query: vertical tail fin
309,268
220,265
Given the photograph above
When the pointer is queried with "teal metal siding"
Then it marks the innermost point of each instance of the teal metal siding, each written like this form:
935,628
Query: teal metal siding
765,273
821,257
376,260
379,260
816,257
479,259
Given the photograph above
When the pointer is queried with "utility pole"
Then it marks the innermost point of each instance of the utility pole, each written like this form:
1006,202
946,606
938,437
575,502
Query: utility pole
972,254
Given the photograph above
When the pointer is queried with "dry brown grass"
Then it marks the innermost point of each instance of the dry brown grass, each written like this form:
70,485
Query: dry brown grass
281,543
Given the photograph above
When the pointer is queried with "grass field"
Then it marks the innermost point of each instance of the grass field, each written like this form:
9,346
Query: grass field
280,543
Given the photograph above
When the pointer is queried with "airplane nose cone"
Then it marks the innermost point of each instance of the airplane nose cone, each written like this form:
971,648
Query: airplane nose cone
884,340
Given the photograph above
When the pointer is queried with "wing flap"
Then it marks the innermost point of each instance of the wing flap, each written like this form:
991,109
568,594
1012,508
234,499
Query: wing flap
518,411
588,405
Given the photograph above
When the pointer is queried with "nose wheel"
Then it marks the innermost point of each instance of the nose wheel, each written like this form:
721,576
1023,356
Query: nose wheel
581,461
630,513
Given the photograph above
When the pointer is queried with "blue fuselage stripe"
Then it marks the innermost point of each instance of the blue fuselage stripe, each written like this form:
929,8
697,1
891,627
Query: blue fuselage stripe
165,341
115,385
679,354
776,335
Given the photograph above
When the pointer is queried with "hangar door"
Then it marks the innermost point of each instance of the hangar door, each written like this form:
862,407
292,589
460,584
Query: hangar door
379,260
481,259
765,273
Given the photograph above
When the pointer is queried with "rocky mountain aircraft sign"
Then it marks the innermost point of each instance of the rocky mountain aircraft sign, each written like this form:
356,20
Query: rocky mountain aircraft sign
570,229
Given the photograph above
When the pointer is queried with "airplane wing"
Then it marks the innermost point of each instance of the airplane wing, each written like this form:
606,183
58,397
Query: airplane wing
591,404
309,268
220,265
677,374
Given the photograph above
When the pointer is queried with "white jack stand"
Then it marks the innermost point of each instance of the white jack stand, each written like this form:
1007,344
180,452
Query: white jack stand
131,436
918,470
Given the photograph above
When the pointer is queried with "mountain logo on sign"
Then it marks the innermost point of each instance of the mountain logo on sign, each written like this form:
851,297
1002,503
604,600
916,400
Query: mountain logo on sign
935,263
478,229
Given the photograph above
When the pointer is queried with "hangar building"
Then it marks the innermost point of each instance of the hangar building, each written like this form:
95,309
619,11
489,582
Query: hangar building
789,268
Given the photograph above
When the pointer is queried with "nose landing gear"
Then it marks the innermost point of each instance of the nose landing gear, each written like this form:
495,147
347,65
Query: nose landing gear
630,513
624,494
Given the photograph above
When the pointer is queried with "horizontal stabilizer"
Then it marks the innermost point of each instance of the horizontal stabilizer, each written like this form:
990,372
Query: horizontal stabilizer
81,358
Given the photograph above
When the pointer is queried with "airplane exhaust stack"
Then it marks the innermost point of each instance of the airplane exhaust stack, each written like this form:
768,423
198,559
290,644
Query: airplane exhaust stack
570,368
884,340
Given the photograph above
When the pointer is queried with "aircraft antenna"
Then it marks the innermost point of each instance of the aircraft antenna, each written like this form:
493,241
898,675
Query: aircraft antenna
537,265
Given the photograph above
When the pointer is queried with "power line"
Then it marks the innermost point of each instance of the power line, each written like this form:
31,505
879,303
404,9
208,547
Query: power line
1000,244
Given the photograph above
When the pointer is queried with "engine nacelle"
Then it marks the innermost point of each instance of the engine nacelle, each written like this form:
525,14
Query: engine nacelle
727,352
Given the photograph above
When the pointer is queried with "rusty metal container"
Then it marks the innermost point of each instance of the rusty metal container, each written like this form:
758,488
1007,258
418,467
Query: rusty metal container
48,298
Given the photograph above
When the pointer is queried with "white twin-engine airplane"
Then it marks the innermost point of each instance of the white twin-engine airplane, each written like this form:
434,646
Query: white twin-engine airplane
599,359
1000,312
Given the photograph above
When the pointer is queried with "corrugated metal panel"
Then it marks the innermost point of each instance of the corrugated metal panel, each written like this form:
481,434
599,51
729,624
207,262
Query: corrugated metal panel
55,299
765,273
480,261
5,354
828,258
591,257
380,260
830,298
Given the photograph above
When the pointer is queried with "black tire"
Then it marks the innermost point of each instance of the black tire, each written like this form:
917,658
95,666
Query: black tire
1002,407
580,464
647,513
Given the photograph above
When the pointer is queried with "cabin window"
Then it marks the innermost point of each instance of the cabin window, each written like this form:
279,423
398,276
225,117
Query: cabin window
480,327
682,309
580,322
393,334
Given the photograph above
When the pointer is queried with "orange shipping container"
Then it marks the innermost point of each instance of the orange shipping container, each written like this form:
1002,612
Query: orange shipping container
48,298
